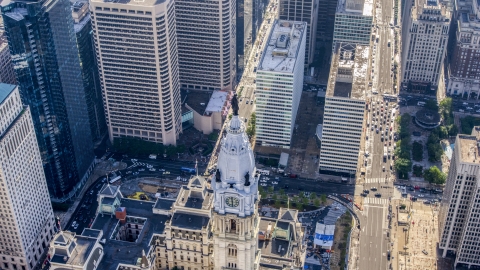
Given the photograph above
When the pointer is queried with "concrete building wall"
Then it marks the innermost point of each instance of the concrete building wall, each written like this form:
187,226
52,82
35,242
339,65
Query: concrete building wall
136,47
460,205
24,196
425,43
341,134
206,34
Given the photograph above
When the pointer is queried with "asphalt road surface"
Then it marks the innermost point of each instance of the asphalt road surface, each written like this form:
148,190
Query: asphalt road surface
85,213
373,240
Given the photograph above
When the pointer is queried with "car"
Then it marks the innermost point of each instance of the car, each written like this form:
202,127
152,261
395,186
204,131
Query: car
373,189
277,178
263,185
421,195
469,108
161,170
285,187
91,192
246,102
378,195
427,202
134,160
383,168
377,131
167,172
149,166
129,172
141,170
73,224
366,191
363,194
465,104
367,154
152,169
76,226
424,252
411,188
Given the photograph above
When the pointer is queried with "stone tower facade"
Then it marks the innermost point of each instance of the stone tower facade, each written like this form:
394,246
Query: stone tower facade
235,214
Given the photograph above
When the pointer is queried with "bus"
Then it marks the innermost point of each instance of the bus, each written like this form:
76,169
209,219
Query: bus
115,179
188,170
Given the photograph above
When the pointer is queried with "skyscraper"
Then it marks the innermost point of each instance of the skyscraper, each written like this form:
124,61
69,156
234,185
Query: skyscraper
304,11
424,45
279,83
464,75
45,56
460,206
137,57
7,74
206,44
90,75
353,22
344,109
27,215
246,31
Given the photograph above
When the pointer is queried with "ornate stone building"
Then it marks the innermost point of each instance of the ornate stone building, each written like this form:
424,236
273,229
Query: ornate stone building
208,226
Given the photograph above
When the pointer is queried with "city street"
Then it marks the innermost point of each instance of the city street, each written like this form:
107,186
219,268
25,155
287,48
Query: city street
378,158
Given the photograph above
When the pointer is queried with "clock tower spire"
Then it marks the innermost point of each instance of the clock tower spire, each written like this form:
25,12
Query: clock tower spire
236,199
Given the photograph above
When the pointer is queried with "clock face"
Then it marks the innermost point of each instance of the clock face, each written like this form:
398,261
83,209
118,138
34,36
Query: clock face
232,201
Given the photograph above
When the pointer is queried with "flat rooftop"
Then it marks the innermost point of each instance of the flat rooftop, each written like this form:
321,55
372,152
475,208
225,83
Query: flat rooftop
217,101
356,7
468,146
197,100
348,72
283,46
5,91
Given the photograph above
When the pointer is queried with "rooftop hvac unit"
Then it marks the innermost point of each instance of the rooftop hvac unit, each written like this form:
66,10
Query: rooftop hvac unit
282,41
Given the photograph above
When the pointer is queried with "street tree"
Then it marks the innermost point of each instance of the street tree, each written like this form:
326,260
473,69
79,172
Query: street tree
434,175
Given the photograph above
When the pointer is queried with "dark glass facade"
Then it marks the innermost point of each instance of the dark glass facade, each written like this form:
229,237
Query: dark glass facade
250,14
90,76
42,42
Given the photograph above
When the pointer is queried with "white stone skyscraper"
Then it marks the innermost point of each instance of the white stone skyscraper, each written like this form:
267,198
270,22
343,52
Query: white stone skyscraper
206,34
460,206
425,39
136,48
279,83
27,217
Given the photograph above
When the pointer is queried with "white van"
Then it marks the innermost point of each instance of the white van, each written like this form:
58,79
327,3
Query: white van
152,156
421,103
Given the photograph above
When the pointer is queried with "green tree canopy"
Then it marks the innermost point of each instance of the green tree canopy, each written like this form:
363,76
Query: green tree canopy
403,166
434,176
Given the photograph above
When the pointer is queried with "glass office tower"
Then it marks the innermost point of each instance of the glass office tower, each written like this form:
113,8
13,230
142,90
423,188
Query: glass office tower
42,42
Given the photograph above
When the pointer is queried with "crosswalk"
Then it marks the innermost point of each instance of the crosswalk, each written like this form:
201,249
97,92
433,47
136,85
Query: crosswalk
376,180
373,200
136,164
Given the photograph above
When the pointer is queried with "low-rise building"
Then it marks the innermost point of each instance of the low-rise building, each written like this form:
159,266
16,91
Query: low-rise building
209,109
